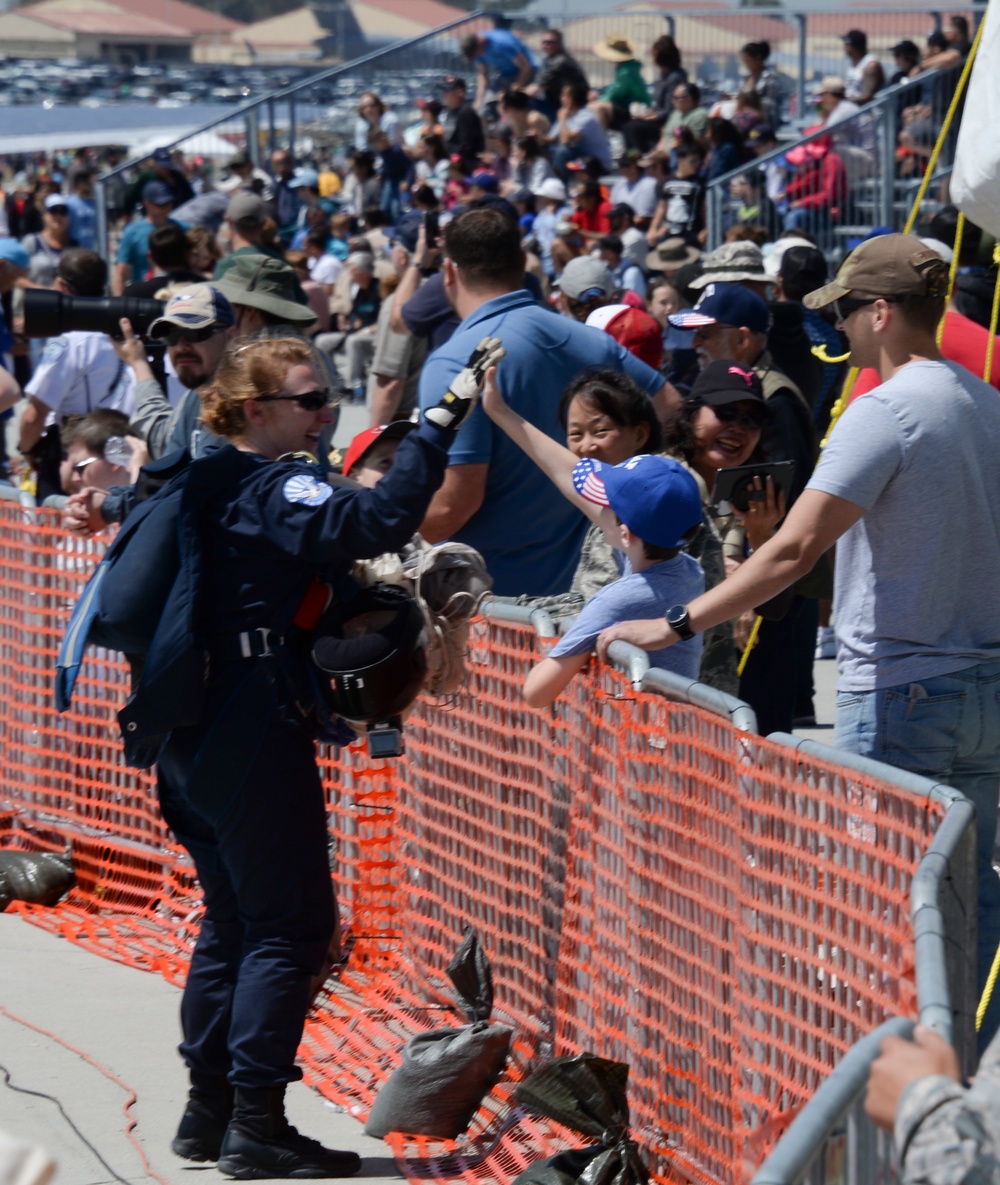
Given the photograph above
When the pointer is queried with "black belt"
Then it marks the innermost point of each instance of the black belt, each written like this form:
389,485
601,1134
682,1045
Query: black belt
258,643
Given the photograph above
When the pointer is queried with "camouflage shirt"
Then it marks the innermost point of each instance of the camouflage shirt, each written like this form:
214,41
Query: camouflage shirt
947,1134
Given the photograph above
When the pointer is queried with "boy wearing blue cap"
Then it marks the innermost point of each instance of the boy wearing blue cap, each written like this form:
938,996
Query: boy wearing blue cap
649,508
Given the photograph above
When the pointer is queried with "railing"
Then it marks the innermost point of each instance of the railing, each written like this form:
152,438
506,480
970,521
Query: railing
315,107
652,881
870,183
319,111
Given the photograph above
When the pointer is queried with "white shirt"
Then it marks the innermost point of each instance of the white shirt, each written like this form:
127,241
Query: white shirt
79,372
854,78
641,196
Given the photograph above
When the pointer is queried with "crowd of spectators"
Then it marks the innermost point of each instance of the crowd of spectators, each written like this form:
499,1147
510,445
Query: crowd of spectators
570,223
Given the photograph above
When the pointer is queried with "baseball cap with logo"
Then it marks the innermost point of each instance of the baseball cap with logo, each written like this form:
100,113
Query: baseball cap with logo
162,156
726,382
585,278
198,306
364,441
654,496
56,201
725,304
632,328
891,265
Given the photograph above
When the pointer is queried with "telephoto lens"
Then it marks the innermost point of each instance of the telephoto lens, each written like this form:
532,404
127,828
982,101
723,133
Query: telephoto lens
48,314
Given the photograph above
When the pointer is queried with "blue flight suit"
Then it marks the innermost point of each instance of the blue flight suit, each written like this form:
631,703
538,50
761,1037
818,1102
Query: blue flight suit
237,774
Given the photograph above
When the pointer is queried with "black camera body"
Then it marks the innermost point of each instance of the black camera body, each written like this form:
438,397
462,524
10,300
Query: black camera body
49,314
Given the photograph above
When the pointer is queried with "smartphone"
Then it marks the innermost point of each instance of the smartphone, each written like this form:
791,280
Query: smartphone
735,485
431,228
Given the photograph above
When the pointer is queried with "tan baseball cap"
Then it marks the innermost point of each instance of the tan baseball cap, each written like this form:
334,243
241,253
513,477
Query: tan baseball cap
890,265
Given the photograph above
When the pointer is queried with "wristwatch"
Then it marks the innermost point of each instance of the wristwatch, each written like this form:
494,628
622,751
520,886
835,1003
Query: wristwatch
677,619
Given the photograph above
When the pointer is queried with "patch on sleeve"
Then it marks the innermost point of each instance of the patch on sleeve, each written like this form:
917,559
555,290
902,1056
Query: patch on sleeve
54,350
307,490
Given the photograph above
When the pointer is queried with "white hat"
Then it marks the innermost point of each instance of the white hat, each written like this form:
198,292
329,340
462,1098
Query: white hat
553,189
947,253
772,260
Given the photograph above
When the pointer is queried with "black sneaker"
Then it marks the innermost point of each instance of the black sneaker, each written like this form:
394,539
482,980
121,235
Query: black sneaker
249,1156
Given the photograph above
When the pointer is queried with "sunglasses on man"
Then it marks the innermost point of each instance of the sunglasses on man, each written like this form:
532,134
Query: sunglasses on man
175,336
845,305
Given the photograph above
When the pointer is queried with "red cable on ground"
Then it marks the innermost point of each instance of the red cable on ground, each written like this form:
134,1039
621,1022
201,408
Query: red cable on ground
107,1074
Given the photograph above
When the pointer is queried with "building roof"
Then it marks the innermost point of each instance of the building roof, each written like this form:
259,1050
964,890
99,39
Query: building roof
19,26
183,19
299,28
397,19
111,22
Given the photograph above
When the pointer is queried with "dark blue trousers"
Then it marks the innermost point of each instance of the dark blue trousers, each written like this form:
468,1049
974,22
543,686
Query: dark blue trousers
242,793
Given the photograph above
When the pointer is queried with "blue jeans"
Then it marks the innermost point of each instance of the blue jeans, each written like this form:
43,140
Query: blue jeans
946,728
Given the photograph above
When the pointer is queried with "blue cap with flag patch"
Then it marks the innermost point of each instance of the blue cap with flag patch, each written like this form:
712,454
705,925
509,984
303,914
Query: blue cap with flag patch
198,306
654,496
725,304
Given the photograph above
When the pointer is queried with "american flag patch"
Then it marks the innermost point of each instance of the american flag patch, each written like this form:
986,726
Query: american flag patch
588,484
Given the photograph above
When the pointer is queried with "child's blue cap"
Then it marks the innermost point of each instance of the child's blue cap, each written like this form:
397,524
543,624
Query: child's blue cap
655,497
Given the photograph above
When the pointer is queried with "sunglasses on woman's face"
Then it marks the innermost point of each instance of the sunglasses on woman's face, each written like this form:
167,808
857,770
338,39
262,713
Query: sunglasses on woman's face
308,400
729,413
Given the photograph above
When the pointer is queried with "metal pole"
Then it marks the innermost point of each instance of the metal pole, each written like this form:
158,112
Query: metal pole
101,201
253,135
887,180
800,18
271,137
291,128
671,24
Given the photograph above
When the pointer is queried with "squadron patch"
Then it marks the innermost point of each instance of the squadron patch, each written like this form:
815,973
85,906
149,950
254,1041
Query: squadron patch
306,490
54,350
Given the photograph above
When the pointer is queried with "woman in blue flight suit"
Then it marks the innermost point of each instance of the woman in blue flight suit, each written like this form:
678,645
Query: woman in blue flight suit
238,780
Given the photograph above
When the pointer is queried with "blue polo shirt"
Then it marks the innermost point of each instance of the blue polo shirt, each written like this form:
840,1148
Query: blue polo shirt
528,533
502,47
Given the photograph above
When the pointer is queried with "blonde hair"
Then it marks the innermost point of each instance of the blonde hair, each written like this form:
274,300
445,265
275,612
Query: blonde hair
249,371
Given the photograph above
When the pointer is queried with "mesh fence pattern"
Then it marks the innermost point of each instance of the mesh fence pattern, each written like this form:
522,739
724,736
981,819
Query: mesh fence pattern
723,914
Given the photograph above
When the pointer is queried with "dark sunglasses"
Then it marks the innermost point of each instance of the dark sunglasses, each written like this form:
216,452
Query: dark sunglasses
175,336
845,305
729,413
308,400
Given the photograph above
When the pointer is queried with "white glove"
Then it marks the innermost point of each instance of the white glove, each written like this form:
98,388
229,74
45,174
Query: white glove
463,394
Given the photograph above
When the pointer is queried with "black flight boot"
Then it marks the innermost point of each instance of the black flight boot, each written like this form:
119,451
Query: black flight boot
261,1144
209,1110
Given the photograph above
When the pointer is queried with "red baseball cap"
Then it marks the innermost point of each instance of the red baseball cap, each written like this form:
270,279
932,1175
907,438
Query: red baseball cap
364,441
637,331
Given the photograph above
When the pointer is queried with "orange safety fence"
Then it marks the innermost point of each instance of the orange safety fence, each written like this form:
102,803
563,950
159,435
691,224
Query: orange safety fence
650,884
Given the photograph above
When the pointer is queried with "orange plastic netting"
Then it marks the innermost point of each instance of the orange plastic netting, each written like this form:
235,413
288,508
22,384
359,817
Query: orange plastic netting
722,914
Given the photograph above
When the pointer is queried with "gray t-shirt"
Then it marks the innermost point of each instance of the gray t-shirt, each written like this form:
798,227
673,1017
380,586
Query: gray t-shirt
649,593
917,578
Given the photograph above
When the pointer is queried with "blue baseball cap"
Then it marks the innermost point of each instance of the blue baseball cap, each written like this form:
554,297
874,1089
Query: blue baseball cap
162,156
725,304
305,177
654,496
157,194
13,253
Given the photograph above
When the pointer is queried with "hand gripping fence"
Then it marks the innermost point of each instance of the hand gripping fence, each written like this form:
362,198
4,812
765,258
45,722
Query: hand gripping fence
652,882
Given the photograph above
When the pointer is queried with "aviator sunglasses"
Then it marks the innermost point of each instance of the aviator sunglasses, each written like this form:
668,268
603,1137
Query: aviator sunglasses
175,336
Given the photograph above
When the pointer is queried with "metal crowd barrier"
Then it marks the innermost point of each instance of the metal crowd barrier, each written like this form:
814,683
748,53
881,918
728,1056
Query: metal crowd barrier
881,155
652,881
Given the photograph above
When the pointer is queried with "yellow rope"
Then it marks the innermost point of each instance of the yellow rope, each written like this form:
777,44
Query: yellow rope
994,318
751,642
984,1003
952,272
945,128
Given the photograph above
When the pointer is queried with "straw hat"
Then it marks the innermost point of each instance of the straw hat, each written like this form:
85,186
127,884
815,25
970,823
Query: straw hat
616,47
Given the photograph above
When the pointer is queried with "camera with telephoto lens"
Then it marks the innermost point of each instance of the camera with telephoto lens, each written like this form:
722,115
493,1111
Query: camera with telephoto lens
50,314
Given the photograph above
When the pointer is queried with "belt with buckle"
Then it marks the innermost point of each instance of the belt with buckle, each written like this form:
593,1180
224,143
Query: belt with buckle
258,643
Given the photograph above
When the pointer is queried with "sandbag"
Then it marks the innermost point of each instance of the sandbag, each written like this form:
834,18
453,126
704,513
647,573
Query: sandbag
446,1073
588,1094
40,878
